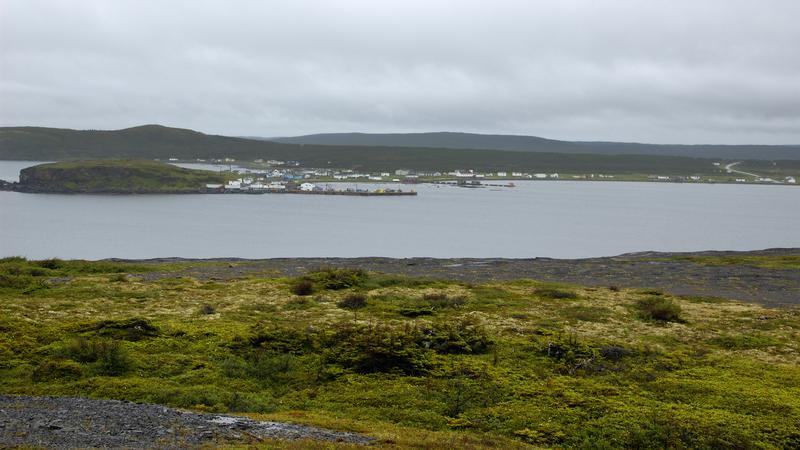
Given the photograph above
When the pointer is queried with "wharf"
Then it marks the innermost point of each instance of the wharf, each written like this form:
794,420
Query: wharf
323,192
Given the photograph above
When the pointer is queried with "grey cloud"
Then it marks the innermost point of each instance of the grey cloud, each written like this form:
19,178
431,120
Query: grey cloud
681,71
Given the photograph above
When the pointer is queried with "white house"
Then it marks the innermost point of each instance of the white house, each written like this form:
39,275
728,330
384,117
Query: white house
307,187
234,185
791,180
554,175
502,174
540,175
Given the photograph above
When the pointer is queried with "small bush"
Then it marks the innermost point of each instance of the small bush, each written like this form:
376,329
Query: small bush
24,282
355,300
52,264
57,370
134,329
271,366
279,339
338,279
303,287
118,278
298,303
659,309
440,300
465,336
416,312
370,349
207,309
614,352
107,356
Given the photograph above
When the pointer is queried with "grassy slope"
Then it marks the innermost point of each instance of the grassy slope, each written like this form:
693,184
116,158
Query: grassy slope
32,143
117,176
424,364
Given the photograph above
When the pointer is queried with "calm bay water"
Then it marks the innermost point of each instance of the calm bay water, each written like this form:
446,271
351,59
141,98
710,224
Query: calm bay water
563,219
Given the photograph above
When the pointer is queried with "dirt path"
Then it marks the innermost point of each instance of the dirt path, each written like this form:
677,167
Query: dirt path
729,168
67,423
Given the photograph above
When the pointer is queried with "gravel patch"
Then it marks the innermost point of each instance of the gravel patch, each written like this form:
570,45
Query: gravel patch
68,423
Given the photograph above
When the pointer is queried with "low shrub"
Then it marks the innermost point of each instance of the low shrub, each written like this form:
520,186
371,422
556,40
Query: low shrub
337,279
377,348
207,309
440,300
660,309
133,329
298,303
118,278
20,282
57,370
354,300
105,355
302,287
53,263
365,348
555,294
279,339
614,352
416,312
466,336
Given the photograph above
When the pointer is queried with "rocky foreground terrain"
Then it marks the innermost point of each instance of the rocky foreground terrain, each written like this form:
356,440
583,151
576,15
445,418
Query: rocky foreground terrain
66,423
676,273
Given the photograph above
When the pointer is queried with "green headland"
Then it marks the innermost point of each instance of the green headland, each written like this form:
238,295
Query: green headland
114,176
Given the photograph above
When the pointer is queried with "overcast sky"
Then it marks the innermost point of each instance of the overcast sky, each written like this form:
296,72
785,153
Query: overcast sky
672,71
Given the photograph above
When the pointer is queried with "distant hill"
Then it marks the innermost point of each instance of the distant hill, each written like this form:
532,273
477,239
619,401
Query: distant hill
155,141
147,141
538,144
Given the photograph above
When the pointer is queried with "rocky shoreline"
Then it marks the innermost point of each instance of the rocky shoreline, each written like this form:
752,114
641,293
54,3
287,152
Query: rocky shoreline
69,423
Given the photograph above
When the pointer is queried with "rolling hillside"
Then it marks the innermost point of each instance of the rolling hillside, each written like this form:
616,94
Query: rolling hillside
538,144
154,141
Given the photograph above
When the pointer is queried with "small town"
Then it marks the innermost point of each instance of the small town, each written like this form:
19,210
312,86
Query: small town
275,176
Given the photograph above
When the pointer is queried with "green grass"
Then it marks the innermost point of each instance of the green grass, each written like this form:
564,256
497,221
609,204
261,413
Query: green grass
495,365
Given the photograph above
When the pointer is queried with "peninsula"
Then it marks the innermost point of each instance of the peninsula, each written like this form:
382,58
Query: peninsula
154,177
112,177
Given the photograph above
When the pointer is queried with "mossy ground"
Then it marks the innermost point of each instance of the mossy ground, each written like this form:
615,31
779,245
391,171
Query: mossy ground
423,364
